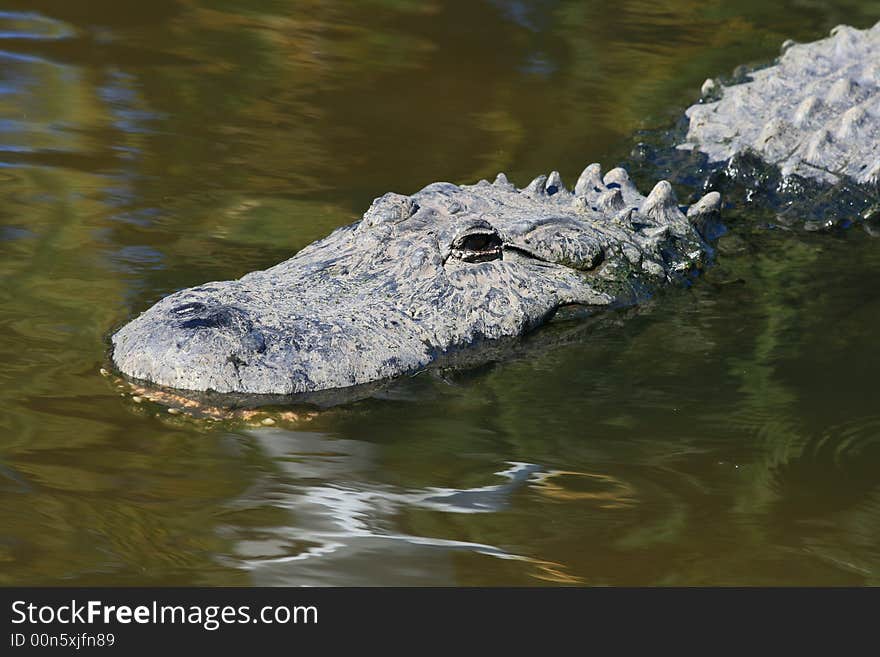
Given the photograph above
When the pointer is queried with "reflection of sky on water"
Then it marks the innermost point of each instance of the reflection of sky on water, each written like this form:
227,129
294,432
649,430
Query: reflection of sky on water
126,105
534,16
50,106
126,115
8,233
54,115
25,25
27,122
337,529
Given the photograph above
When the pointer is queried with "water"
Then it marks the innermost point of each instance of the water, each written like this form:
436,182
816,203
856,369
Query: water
725,434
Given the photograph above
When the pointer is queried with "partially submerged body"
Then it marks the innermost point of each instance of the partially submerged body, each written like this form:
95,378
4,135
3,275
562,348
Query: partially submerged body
799,139
418,277
813,114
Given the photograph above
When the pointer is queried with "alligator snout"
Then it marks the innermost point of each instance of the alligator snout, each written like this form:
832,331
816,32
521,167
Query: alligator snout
230,341
184,343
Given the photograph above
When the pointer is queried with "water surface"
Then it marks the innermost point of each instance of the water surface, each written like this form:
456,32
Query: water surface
728,433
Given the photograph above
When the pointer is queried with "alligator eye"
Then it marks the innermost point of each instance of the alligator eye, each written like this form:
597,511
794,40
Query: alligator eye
478,247
478,242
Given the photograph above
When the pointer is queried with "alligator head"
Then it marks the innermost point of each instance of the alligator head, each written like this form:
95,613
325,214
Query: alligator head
417,277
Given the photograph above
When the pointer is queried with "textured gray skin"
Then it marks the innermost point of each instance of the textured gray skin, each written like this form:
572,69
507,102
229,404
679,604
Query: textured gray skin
418,277
815,113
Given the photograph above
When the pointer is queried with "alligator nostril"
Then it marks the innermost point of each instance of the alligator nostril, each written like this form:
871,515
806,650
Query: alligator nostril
215,320
229,321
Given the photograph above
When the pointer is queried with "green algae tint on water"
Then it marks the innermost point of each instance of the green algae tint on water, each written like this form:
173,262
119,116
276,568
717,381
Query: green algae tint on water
728,433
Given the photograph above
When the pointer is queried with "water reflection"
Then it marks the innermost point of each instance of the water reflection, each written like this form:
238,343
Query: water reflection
342,528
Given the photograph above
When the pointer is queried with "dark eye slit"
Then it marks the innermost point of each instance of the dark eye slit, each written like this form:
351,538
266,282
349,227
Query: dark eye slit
479,247
480,242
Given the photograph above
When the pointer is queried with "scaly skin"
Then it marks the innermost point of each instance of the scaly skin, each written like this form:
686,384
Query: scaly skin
814,114
419,276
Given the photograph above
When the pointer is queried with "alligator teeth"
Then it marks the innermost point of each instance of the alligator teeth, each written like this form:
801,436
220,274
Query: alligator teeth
589,180
661,204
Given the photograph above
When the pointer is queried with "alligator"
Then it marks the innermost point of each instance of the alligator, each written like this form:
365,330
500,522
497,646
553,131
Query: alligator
815,114
453,266
800,138
416,277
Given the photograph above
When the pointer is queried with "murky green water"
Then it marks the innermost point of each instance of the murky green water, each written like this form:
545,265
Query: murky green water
725,434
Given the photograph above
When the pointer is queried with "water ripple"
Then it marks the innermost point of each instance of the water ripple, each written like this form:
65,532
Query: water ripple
336,529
